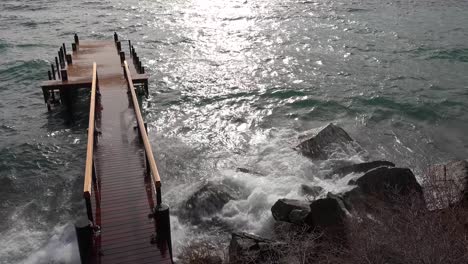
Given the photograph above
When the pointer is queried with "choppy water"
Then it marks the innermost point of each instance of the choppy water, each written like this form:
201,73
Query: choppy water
233,84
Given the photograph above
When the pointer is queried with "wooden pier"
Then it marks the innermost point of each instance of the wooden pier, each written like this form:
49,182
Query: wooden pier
126,221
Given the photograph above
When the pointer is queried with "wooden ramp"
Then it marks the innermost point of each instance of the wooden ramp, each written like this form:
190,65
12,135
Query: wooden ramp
127,222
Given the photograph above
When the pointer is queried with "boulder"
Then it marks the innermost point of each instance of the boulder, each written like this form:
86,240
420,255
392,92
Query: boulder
397,181
380,187
328,215
290,210
362,167
447,184
206,201
313,191
249,248
329,140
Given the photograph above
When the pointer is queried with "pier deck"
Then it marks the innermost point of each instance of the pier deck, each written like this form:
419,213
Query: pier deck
119,189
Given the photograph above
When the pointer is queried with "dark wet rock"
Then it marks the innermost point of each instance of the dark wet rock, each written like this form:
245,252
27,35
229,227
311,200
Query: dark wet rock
244,170
362,167
398,181
313,191
206,201
382,187
249,248
328,215
283,208
297,216
447,184
327,141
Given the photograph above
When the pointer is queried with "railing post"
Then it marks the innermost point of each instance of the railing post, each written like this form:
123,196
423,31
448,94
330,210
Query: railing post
64,75
116,37
119,46
122,56
74,47
69,59
84,236
64,49
77,40
163,225
50,75
58,67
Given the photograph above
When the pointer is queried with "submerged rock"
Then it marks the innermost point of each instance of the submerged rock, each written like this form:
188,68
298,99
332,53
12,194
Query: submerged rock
248,248
447,184
362,167
206,201
313,191
289,210
326,142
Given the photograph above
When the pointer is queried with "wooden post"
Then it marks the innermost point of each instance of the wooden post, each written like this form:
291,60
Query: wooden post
84,236
122,56
69,59
50,75
139,67
64,75
142,70
64,49
163,224
116,37
60,57
74,46
130,46
53,70
119,46
58,67
77,40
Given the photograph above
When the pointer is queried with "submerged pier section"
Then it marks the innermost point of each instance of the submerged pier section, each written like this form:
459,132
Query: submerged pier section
126,221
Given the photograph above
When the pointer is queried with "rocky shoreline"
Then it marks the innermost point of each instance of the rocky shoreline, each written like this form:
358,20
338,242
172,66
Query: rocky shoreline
381,189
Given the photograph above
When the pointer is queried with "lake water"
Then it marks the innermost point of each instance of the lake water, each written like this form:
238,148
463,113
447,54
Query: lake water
234,84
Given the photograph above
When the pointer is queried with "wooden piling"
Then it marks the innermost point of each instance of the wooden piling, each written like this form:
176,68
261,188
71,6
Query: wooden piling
50,75
58,67
119,46
116,37
64,74
122,57
69,59
77,40
74,47
64,49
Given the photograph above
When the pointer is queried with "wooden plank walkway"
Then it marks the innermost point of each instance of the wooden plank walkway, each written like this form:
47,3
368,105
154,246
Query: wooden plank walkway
123,195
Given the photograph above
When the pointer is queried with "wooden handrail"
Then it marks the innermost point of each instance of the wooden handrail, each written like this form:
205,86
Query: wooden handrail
90,150
144,136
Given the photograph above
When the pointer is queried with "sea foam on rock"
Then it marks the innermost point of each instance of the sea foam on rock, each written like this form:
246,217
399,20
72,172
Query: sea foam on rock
206,201
328,141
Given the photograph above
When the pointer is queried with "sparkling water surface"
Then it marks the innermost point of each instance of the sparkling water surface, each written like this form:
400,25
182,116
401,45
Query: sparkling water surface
234,84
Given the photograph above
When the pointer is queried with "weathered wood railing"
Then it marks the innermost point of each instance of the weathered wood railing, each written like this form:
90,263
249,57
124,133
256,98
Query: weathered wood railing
151,167
161,211
90,178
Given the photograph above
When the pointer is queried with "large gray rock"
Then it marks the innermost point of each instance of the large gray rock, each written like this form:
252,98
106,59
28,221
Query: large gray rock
395,181
290,210
248,248
447,184
206,201
362,167
329,140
